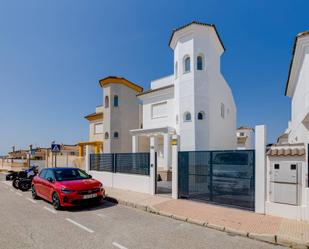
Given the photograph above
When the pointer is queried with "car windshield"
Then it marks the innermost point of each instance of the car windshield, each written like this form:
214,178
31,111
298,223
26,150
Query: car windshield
70,174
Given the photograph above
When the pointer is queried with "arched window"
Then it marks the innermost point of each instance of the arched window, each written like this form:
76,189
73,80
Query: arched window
176,70
199,62
187,116
187,65
116,101
222,110
201,115
106,135
116,134
106,102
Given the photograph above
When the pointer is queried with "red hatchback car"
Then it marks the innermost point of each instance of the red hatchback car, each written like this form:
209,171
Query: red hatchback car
66,187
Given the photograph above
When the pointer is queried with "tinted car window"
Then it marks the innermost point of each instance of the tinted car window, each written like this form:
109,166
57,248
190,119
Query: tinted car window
49,174
42,173
70,174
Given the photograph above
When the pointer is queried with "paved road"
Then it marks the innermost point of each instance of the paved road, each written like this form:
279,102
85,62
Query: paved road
25,223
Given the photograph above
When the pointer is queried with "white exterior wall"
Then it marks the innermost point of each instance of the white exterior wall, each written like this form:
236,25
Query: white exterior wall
165,96
299,126
123,181
164,81
300,212
249,144
120,119
203,90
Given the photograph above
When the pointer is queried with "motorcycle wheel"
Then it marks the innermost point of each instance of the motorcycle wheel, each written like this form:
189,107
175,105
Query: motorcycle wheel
24,185
15,183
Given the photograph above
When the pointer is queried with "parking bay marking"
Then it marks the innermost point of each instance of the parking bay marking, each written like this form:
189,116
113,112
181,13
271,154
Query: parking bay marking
50,210
18,193
119,246
80,225
31,200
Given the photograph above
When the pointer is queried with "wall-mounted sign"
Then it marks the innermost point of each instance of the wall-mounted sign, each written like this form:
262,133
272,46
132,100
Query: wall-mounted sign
174,142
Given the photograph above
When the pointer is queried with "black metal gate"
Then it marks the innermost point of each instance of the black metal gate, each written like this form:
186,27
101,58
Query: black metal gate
224,177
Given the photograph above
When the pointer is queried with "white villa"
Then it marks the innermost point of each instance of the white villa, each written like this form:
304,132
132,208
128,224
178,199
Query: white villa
195,102
110,124
287,190
245,138
297,88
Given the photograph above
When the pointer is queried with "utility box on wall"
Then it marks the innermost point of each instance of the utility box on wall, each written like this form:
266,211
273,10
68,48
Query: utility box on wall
285,182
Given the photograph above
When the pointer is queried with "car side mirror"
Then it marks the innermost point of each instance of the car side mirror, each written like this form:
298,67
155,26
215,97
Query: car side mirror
50,179
90,176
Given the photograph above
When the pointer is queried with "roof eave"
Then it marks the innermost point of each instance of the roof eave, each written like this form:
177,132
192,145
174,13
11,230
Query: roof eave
197,23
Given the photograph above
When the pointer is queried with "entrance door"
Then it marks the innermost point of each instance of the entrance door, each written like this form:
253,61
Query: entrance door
163,179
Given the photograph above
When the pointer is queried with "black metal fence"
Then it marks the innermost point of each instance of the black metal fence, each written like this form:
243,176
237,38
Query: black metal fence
225,177
128,163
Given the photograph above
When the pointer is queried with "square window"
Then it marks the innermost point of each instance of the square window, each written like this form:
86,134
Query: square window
277,166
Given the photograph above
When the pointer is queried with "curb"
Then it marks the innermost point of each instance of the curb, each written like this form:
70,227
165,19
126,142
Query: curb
269,238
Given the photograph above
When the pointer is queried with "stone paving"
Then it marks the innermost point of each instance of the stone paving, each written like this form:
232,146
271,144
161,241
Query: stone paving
272,229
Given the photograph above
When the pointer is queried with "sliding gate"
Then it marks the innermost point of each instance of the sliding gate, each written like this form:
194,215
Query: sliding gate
223,177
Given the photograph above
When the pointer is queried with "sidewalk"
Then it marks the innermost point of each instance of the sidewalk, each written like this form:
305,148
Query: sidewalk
271,229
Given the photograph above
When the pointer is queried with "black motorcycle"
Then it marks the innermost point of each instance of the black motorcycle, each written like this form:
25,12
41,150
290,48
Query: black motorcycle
11,175
24,178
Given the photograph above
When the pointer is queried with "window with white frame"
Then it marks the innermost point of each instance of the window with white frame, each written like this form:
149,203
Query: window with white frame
186,64
176,70
200,62
187,117
106,102
116,101
159,110
201,115
106,135
222,110
116,134
98,128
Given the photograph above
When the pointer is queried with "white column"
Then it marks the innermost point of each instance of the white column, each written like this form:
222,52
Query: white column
87,158
260,168
175,146
134,144
152,189
167,151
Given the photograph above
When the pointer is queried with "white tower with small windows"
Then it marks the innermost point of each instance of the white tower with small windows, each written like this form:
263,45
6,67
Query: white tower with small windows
204,106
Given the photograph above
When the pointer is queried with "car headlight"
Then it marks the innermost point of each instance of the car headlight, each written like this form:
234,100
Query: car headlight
67,191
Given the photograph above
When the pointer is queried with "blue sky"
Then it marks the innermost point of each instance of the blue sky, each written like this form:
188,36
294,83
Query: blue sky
52,54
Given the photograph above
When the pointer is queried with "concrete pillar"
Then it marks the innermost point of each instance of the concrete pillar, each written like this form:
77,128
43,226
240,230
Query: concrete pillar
80,150
134,144
260,168
87,158
175,148
152,189
167,151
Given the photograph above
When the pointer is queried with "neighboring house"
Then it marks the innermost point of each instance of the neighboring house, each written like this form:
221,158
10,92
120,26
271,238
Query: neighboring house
297,88
96,124
110,125
245,138
195,102
283,139
43,157
287,162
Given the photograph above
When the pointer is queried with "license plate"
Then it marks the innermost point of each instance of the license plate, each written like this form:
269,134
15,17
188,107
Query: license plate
90,196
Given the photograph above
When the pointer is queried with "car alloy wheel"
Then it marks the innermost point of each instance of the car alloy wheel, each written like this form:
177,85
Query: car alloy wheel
56,201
